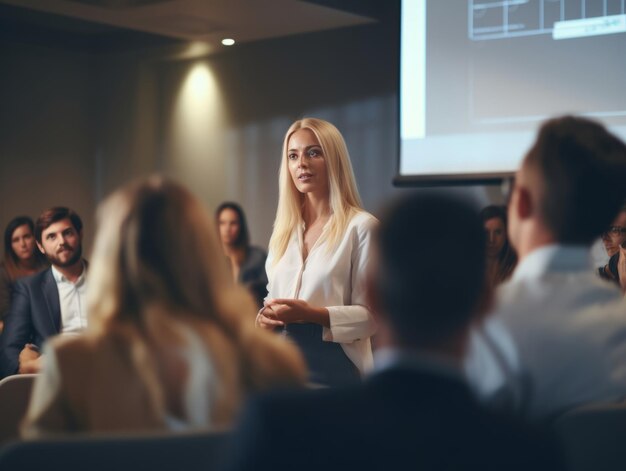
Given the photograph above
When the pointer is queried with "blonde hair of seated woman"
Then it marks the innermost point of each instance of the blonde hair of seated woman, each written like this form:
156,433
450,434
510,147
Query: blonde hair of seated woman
157,283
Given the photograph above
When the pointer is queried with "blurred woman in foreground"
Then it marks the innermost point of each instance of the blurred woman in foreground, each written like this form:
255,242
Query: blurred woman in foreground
170,345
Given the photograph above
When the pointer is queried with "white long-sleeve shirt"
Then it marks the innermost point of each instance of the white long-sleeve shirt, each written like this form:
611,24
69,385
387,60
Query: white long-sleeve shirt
334,280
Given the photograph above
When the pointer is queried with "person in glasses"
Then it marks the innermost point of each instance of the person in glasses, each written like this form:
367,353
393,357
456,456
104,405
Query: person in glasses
614,240
557,336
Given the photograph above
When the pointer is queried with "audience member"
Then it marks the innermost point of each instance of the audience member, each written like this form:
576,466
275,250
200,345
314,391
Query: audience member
415,410
50,302
168,345
21,258
614,239
557,338
501,258
318,256
247,262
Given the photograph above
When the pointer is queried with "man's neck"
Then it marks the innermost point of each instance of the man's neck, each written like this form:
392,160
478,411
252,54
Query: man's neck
452,349
72,272
532,238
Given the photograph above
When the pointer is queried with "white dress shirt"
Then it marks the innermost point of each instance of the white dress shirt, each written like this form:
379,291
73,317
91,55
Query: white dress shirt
333,279
557,338
72,302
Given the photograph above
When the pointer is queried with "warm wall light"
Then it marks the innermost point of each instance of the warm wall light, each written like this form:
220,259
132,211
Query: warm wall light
228,42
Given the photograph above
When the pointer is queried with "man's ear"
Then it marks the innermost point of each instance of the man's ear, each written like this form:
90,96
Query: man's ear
40,247
523,203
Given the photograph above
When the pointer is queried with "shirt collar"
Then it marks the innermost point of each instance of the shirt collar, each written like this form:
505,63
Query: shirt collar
60,278
391,358
553,258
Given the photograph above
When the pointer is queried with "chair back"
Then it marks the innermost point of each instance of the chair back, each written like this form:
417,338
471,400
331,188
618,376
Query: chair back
152,452
592,437
14,398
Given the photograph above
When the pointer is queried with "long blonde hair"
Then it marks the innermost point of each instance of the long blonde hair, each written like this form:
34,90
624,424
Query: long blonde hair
156,245
157,267
344,196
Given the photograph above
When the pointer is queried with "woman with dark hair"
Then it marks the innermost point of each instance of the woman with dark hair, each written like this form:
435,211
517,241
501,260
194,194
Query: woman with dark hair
501,258
21,258
247,262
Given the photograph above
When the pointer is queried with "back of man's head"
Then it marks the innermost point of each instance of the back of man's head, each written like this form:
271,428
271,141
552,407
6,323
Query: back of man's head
431,268
582,169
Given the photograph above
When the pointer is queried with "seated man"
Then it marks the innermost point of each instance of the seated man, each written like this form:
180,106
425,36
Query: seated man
414,411
557,338
50,302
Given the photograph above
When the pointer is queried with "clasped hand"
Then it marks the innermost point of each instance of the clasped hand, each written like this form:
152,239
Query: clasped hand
278,312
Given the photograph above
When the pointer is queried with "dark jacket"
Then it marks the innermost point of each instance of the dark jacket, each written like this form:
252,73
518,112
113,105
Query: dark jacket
34,315
398,419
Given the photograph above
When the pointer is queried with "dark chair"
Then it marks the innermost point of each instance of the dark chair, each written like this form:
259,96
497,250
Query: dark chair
14,398
593,437
150,452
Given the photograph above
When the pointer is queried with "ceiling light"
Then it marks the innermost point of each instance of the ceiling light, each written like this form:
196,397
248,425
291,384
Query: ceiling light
228,42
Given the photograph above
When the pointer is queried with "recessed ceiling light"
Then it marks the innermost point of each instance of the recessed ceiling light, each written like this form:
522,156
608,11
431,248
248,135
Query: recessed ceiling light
228,42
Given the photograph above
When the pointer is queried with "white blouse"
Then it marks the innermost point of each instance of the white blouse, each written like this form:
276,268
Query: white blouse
333,279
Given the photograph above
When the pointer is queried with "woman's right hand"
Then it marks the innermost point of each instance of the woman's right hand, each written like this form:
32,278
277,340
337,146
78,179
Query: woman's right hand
267,319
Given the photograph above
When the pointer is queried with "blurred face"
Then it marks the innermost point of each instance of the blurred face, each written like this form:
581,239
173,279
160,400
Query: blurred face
228,222
307,164
23,242
496,236
615,235
61,244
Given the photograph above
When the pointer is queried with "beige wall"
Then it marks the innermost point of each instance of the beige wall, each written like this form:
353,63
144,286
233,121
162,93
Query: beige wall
78,125
46,156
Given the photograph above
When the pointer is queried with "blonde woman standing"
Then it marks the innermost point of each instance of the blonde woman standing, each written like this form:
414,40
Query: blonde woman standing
318,255
169,345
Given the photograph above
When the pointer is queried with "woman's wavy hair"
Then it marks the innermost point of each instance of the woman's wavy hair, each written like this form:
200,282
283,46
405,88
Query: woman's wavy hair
156,245
344,196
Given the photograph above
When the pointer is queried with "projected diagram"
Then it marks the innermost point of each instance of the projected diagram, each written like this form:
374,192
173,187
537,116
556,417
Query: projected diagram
563,19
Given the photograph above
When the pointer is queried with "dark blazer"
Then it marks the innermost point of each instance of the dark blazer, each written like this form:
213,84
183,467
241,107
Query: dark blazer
252,274
34,315
398,419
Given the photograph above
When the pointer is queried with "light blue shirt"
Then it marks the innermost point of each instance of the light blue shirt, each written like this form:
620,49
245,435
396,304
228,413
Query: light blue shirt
556,340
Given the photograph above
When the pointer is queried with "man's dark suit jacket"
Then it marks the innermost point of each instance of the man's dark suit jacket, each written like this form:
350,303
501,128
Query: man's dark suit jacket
34,315
398,419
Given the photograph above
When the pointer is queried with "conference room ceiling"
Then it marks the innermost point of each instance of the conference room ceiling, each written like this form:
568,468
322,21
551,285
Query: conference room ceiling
204,21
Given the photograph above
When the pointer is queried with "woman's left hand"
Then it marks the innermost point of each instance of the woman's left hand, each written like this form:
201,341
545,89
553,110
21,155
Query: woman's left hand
297,310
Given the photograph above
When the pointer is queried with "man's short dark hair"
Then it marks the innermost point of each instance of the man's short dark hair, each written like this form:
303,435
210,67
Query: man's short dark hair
431,273
583,167
56,214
